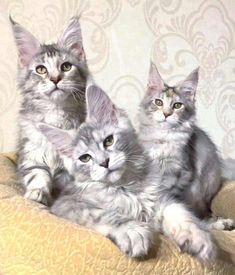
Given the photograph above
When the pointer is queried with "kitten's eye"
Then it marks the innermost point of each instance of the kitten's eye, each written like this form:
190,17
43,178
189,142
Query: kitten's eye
178,105
40,69
158,102
108,141
85,158
66,66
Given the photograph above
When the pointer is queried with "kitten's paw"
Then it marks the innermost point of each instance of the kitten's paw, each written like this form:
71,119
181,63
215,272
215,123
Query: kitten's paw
38,195
197,243
223,224
133,239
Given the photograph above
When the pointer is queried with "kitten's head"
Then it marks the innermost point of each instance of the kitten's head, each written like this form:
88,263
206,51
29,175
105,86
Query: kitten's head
168,107
105,146
51,71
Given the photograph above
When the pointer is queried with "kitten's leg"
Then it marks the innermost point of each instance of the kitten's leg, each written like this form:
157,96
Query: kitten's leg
133,238
34,169
37,181
204,188
217,223
183,227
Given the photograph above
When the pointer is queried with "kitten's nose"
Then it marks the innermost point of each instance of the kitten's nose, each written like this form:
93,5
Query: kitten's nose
105,163
166,114
55,79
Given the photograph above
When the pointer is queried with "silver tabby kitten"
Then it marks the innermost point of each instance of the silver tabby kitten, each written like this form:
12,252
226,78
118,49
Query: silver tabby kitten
110,192
52,79
185,159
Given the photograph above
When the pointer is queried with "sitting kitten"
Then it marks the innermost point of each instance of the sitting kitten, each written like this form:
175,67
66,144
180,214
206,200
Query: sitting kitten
114,191
183,154
52,79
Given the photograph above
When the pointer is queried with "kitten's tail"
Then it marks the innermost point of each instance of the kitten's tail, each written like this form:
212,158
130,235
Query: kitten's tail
228,169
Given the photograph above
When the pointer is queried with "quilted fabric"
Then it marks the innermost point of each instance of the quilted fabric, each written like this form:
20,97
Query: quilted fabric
32,241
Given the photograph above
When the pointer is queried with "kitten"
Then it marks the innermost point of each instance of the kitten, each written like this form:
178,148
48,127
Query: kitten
183,154
109,170
52,80
114,191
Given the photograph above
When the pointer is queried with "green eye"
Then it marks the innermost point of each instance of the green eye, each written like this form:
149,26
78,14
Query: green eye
40,69
178,105
85,158
66,66
158,102
108,141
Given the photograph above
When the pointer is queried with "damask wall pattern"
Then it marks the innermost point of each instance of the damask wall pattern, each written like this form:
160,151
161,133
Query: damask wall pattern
120,37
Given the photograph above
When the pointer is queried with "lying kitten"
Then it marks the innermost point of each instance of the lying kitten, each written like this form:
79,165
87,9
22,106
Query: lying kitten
106,161
114,191
52,79
189,166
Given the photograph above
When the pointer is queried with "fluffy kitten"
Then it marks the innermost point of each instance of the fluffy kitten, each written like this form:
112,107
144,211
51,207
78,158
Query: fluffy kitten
106,160
52,79
114,191
183,154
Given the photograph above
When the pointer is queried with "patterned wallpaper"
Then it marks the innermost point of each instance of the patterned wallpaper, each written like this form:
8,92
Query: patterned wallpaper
120,36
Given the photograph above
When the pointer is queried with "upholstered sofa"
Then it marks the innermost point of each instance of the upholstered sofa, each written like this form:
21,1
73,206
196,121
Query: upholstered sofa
32,241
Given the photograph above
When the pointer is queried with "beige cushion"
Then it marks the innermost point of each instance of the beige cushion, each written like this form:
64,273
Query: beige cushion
32,241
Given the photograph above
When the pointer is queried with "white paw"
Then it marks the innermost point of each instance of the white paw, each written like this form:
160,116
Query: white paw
196,242
223,224
134,239
38,195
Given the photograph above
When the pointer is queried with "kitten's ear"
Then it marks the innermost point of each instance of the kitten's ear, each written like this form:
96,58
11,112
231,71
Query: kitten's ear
71,39
155,82
61,139
100,108
189,86
28,46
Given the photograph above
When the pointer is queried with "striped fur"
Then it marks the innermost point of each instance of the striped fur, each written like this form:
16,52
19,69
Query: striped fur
55,97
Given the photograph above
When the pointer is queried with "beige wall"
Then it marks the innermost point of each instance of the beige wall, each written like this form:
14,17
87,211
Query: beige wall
119,37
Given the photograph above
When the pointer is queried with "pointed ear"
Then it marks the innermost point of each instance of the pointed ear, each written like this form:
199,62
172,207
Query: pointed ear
71,39
189,86
61,139
100,108
28,46
155,82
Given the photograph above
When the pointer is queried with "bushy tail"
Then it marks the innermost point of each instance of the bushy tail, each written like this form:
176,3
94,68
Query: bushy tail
228,169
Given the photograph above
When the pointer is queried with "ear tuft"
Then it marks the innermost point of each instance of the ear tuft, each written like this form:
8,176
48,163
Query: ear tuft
189,86
100,108
71,39
28,46
155,82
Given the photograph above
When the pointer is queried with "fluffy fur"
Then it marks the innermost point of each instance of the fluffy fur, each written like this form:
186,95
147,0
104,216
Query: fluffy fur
114,191
52,80
186,160
109,193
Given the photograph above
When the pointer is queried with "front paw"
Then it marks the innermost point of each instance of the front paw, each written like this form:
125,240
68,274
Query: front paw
197,243
38,195
223,224
134,239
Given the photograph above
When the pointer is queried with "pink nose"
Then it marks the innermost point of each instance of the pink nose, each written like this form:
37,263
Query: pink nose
166,114
55,79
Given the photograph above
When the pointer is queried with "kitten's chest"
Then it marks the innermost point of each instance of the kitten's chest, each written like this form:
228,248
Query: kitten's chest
66,115
168,151
161,151
117,199
62,119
